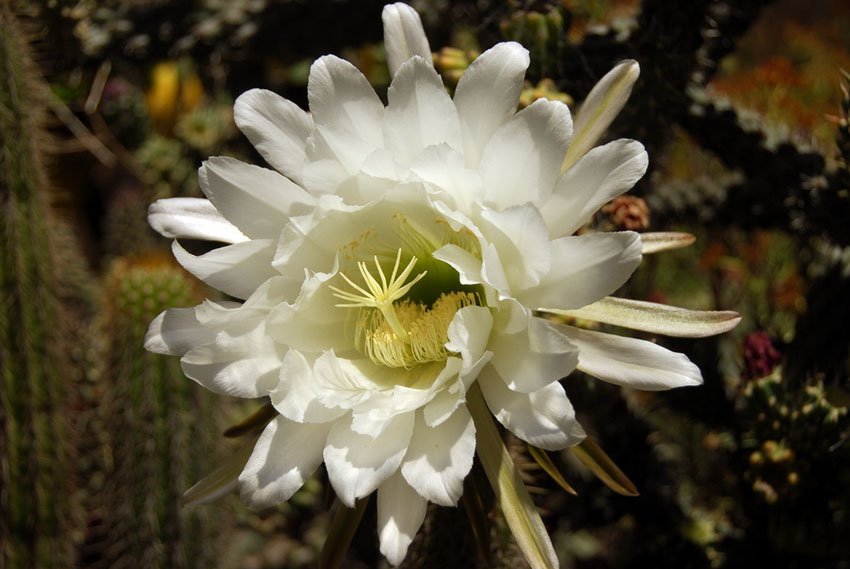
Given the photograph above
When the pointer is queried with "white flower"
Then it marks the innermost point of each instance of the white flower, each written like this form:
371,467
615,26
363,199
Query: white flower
397,256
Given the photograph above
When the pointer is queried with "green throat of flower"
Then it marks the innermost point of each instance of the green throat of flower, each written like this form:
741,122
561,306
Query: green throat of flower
403,318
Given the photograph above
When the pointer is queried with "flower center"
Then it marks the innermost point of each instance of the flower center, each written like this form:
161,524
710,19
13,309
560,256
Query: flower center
393,330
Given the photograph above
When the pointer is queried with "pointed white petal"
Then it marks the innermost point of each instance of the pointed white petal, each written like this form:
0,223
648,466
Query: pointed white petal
257,200
544,418
657,318
276,127
341,97
598,177
439,458
401,512
176,331
420,113
487,95
656,242
285,456
631,362
239,365
357,464
599,109
236,269
521,161
404,36
469,333
585,268
533,358
192,218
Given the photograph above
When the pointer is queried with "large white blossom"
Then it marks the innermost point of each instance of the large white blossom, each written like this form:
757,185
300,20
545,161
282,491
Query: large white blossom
398,254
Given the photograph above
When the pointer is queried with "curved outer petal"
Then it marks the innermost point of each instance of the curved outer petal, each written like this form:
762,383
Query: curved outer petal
192,218
341,97
600,108
357,464
285,456
439,458
420,113
401,512
445,168
237,269
176,331
588,267
657,318
521,161
277,128
256,200
240,365
487,95
521,243
404,36
533,358
631,362
294,397
544,418
598,177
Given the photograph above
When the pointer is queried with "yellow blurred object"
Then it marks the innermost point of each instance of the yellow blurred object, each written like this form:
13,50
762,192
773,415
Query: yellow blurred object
175,90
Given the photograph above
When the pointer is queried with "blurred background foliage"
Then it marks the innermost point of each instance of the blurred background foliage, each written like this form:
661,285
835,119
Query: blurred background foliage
107,105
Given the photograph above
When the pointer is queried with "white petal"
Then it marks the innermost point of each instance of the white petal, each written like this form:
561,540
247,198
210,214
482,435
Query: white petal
285,456
469,333
176,331
598,177
240,365
523,157
341,97
533,358
465,263
294,397
420,113
257,200
657,318
439,458
444,167
192,218
404,36
236,269
544,418
600,108
631,362
276,127
487,95
585,269
401,512
357,464
521,240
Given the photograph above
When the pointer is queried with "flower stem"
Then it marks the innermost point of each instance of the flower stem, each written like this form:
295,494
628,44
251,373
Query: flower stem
519,510
340,533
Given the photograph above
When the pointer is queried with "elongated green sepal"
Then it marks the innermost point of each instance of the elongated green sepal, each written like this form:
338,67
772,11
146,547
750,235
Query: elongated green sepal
656,242
520,512
599,109
656,318
545,462
340,533
604,468
255,422
220,481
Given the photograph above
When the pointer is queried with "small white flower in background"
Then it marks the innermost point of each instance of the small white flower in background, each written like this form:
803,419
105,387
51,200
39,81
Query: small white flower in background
399,258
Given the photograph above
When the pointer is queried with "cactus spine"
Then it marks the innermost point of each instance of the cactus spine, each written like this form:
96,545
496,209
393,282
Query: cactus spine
35,494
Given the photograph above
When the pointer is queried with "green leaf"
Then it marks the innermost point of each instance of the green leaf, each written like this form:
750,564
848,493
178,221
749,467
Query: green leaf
545,462
520,512
340,533
604,468
221,480
257,421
